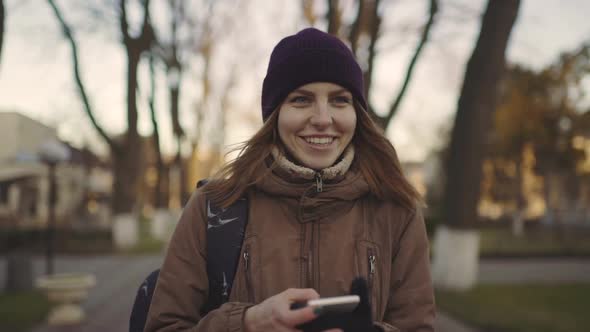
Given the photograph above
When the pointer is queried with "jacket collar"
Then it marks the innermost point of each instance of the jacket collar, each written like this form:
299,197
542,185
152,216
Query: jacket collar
299,187
286,167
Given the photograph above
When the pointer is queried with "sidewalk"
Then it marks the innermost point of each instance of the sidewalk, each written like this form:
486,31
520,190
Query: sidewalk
109,304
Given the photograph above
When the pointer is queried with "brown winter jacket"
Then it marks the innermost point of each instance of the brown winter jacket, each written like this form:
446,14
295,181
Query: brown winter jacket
298,237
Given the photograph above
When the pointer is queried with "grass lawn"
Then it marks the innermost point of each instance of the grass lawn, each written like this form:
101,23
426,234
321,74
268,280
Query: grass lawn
521,308
19,312
535,242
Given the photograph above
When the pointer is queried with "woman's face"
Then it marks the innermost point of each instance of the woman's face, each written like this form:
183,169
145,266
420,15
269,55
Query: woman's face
316,123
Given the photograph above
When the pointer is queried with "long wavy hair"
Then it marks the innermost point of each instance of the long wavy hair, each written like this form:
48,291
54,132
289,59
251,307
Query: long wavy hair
375,157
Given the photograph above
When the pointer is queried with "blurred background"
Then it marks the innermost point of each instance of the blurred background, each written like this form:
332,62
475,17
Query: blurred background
112,110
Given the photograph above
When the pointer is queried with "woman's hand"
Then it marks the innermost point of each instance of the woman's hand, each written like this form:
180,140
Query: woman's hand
275,314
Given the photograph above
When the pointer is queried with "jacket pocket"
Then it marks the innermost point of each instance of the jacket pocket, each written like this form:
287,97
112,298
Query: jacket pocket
250,266
368,262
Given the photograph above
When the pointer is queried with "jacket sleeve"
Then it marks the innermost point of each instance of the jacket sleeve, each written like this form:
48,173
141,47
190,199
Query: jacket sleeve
183,286
411,305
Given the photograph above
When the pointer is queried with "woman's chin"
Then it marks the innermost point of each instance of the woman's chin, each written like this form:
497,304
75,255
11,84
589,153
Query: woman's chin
318,165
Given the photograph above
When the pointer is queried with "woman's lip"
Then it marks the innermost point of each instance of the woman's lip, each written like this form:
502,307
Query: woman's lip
318,136
319,146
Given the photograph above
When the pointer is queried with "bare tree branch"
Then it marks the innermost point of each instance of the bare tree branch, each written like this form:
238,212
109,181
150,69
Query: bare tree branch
423,39
158,202
308,13
355,31
374,32
81,87
1,26
124,24
135,46
334,17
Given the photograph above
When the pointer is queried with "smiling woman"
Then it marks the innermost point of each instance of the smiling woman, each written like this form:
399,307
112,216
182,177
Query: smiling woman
327,205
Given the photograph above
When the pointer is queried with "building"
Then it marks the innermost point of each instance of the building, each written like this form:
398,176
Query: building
24,178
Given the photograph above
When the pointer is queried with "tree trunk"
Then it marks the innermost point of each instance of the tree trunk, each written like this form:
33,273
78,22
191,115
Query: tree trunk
159,201
133,56
456,243
126,177
476,105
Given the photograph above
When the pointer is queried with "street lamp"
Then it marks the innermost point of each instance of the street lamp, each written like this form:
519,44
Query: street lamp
51,153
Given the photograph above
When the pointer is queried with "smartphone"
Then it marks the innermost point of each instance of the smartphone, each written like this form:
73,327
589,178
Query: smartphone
337,304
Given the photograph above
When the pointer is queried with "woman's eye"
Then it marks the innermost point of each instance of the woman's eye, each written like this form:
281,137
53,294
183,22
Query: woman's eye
299,100
341,100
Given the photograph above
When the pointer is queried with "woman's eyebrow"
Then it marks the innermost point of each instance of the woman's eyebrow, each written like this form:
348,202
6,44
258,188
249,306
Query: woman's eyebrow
303,92
338,92
310,93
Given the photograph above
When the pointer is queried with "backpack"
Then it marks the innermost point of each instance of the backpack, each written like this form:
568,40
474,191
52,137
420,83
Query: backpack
225,234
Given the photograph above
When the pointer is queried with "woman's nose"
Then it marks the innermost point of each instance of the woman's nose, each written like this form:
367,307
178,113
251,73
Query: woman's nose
321,114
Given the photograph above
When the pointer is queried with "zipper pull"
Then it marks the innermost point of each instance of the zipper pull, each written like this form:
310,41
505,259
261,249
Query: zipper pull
319,183
246,258
372,264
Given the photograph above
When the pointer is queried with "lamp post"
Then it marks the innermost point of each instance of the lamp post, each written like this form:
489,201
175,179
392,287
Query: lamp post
51,153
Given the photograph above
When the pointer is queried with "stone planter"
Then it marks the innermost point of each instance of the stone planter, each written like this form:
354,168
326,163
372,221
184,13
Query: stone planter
66,292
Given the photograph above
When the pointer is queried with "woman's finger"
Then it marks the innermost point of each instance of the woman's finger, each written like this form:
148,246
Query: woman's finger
301,294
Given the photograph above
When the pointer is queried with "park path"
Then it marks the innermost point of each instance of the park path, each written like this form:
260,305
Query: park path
118,277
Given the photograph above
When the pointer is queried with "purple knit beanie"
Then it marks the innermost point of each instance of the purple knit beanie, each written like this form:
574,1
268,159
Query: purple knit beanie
309,56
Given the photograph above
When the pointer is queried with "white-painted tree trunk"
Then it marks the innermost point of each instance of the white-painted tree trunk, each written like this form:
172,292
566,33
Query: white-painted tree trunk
125,231
161,223
456,256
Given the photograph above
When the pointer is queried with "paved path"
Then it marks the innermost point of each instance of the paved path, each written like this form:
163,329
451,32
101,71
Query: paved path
109,304
548,270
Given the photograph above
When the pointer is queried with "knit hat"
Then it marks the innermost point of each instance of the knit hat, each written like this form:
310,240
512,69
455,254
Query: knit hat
309,56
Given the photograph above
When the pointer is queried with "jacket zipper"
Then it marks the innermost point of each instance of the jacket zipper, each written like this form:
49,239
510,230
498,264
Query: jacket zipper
247,269
319,183
309,269
372,259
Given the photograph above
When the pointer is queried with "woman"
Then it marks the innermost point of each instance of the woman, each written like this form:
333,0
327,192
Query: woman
327,203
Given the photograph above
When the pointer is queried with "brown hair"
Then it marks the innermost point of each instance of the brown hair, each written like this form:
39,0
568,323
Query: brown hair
375,157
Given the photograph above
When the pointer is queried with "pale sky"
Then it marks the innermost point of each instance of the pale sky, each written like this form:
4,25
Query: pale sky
36,79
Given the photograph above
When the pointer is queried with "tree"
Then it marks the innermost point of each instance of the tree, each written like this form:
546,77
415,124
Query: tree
476,105
455,267
159,200
1,26
557,157
539,114
363,34
517,125
125,150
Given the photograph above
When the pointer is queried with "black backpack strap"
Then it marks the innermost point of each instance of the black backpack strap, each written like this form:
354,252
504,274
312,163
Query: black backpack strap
225,235
141,305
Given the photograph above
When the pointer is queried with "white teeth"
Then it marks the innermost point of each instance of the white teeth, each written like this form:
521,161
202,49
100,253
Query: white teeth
319,140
